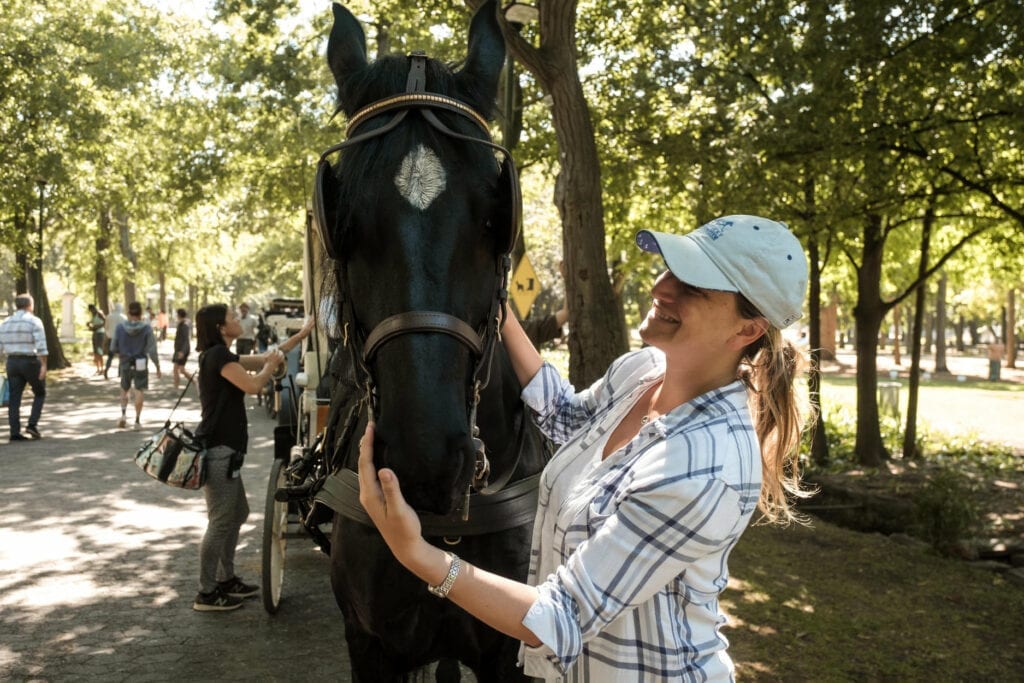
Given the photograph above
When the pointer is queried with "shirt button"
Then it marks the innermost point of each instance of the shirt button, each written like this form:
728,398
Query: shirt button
536,610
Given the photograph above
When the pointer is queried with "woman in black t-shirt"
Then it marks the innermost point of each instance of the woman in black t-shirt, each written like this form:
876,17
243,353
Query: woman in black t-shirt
224,380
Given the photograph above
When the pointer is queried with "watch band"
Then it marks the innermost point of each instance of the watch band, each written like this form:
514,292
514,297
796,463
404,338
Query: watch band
441,590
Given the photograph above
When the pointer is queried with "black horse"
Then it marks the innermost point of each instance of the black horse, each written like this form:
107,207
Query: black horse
419,216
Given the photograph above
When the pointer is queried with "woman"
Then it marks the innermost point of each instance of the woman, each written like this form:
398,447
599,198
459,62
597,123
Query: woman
224,379
97,323
182,347
662,465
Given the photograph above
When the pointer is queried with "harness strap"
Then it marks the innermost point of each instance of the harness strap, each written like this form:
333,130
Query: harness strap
498,485
511,507
416,100
417,80
421,321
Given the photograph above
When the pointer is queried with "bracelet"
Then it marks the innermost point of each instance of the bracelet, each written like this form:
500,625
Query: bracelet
442,589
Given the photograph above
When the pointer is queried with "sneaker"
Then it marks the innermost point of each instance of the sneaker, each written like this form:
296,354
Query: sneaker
236,588
33,432
18,437
215,601
137,426
122,423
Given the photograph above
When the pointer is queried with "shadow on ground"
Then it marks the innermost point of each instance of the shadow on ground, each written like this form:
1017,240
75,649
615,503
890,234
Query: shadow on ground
98,563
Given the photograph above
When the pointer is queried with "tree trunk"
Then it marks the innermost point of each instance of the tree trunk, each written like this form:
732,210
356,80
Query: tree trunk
868,315
929,332
130,293
958,330
55,359
896,326
162,280
940,326
910,449
35,285
1011,328
819,434
974,332
597,329
102,289
828,324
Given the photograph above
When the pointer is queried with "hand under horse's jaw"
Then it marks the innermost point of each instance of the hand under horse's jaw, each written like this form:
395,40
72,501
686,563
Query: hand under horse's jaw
433,480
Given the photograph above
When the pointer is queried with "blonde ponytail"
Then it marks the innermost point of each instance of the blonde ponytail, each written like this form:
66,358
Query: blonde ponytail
770,367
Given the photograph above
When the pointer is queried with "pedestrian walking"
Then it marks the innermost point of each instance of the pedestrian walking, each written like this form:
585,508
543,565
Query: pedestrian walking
995,359
161,325
135,345
23,340
97,325
663,463
224,379
182,346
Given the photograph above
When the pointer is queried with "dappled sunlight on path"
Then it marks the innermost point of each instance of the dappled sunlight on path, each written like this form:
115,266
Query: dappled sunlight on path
99,564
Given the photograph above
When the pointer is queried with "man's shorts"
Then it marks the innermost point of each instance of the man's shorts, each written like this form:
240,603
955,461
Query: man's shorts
180,357
130,376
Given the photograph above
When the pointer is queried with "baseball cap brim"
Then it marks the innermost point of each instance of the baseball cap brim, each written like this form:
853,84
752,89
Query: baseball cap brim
685,259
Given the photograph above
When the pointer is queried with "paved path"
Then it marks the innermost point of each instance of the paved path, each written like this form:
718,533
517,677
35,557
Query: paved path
98,563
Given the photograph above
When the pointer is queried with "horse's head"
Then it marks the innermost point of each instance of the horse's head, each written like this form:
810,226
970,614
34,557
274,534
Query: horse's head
417,218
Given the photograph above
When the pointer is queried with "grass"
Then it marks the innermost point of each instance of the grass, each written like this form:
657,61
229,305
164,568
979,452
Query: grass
822,603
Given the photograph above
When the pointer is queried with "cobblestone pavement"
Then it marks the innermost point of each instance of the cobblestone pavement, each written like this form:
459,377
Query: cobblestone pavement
98,563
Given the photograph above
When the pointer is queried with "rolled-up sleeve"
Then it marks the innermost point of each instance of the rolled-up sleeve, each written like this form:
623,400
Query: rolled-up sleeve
560,411
657,532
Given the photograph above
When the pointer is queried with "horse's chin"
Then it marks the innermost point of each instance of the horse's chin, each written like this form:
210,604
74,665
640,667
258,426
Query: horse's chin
438,483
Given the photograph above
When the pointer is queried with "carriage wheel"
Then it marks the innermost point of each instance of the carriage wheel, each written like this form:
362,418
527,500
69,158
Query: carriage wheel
275,528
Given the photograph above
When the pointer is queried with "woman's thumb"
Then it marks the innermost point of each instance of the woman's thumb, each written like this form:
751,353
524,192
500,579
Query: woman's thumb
389,485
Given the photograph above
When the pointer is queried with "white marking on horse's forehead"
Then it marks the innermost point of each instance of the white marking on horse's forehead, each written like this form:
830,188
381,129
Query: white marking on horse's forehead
421,177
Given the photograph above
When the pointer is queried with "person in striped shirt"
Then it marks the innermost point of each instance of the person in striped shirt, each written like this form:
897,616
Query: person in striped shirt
663,462
23,340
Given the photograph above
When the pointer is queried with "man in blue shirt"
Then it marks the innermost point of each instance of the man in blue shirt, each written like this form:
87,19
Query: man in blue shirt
134,343
24,341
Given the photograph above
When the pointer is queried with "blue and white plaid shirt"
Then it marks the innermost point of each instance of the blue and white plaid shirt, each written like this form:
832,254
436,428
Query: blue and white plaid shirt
629,553
22,334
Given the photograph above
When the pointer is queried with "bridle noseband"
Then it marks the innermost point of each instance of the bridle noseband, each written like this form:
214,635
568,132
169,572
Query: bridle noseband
480,342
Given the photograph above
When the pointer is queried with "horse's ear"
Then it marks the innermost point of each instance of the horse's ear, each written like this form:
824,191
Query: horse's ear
479,75
346,47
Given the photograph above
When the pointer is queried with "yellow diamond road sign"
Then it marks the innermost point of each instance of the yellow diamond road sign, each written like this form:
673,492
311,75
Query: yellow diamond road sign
525,286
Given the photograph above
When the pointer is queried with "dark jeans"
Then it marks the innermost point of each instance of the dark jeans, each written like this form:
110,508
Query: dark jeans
22,370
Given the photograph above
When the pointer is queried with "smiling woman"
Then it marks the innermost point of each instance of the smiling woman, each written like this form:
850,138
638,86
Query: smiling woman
662,464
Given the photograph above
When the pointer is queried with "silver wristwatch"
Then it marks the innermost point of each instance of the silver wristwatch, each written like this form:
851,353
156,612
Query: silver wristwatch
442,589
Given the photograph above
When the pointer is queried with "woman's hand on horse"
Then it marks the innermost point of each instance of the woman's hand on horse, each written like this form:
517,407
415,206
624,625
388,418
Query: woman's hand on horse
381,497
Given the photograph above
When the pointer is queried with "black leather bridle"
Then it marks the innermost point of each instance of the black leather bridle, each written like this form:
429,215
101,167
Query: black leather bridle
481,341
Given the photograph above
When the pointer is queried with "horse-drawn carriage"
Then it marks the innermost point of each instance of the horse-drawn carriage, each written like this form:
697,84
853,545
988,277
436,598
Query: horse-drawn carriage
297,397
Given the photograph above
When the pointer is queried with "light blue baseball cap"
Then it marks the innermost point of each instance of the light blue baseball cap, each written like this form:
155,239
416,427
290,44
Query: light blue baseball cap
757,257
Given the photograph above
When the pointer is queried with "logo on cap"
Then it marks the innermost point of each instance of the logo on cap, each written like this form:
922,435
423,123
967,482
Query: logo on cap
716,228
